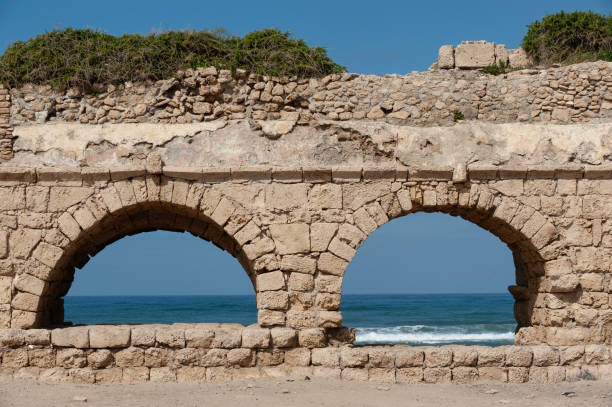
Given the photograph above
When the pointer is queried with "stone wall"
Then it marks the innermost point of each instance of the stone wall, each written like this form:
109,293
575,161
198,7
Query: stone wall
573,94
213,352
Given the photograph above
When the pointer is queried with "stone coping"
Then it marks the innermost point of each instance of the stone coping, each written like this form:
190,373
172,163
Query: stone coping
338,174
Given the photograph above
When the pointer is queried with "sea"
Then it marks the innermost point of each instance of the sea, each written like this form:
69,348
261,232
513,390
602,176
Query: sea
414,319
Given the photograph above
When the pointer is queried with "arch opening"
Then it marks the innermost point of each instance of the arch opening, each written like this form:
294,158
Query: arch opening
130,221
451,313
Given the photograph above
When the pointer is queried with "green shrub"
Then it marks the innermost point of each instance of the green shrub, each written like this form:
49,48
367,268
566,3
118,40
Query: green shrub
457,115
81,58
496,69
570,38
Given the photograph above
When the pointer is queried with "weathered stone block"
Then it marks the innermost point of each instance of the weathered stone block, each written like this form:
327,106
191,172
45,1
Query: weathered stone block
272,281
470,55
446,57
109,336
256,338
291,238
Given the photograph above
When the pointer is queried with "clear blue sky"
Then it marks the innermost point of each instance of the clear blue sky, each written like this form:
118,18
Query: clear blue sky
367,37
418,253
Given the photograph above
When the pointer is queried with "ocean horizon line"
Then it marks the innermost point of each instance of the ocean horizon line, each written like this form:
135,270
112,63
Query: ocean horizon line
253,295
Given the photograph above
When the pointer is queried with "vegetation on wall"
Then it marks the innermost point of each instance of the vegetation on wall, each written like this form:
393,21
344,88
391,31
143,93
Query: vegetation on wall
81,58
570,38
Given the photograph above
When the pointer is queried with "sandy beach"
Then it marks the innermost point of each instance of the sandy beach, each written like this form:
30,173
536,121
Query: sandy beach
272,393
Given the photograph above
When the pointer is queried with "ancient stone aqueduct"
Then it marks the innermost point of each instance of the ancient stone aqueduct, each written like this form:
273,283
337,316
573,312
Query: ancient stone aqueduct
290,177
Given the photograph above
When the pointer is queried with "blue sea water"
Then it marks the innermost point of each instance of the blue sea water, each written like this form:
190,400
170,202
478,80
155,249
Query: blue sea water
415,319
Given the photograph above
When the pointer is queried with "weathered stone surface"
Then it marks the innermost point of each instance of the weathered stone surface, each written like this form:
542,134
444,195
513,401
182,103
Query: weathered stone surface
474,54
109,337
291,238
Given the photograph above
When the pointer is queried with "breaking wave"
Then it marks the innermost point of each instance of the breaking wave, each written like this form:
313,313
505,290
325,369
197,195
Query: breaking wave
500,334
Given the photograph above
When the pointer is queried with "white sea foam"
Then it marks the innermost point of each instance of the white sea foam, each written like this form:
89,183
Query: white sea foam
420,334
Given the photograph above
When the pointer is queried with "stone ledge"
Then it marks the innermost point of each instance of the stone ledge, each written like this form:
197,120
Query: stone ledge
75,176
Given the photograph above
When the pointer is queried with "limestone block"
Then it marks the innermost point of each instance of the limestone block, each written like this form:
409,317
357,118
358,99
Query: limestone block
47,254
340,249
283,337
241,357
77,337
364,221
30,284
268,318
329,319
277,300
170,337
312,338
37,337
463,374
143,336
437,375
69,226
405,200
191,375
130,357
446,57
301,282
256,338
135,374
41,357
249,232
326,301
328,357
272,281
564,283
109,376
491,357
464,356
353,357
356,195
62,198
545,356
469,55
518,58
11,337
297,357
300,319
100,359
258,248
411,375
298,264
227,338
109,336
321,234
325,196
162,375
71,358
322,372
26,301
492,374
381,357
12,199
3,244
291,238
518,356
22,241
346,174
438,357
286,196
5,289
330,264
328,284
199,337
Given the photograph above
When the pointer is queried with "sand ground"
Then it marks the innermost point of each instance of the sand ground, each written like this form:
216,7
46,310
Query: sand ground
272,393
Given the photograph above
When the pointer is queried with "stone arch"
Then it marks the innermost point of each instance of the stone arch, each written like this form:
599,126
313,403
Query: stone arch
127,207
531,236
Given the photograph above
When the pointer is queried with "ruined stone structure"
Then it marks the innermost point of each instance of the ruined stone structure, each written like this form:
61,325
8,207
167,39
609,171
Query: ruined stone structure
291,178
